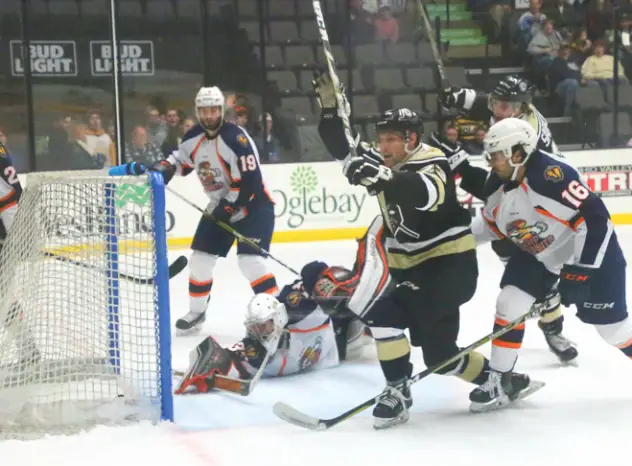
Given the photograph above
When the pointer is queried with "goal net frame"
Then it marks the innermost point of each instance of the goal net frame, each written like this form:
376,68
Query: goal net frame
110,256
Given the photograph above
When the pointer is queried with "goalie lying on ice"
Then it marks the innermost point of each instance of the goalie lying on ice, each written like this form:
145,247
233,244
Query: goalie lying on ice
300,332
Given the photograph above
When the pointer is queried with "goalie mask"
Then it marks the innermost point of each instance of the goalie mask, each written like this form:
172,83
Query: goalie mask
266,317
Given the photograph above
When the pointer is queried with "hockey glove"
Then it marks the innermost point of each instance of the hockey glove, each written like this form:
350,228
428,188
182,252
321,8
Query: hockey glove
206,360
132,168
310,273
574,284
368,170
452,150
452,97
227,212
325,91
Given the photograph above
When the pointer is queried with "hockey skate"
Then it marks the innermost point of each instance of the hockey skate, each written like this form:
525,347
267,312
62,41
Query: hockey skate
392,407
190,324
501,390
559,345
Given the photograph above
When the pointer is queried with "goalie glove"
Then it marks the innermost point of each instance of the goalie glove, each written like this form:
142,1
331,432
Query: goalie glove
205,361
325,91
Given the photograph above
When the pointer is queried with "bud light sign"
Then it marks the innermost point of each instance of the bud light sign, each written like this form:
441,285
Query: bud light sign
48,58
136,58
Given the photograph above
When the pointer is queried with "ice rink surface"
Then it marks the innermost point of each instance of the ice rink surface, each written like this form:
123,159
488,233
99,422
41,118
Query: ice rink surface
583,415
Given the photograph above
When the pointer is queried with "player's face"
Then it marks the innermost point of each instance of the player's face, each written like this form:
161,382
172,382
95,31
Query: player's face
500,165
262,329
392,146
502,109
210,117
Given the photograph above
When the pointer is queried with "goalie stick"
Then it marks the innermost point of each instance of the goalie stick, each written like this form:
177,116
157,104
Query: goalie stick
300,419
242,387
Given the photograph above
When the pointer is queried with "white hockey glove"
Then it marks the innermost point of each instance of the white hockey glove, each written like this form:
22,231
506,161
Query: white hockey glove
453,151
325,91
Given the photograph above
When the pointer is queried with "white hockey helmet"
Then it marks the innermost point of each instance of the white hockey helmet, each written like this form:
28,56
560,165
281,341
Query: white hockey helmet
209,97
265,317
507,136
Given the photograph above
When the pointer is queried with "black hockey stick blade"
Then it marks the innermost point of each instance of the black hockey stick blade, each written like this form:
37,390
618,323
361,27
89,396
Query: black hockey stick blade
300,419
174,269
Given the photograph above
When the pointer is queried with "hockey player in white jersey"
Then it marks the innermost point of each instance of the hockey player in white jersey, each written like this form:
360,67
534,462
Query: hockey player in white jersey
10,192
563,231
292,332
226,161
510,98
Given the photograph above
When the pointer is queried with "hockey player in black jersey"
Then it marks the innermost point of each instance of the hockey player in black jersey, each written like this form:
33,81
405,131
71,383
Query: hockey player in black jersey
510,98
429,247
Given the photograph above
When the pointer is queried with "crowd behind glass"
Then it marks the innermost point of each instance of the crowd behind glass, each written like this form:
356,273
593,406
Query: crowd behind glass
61,114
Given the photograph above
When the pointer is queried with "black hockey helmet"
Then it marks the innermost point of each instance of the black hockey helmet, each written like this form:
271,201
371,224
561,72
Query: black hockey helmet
402,120
513,88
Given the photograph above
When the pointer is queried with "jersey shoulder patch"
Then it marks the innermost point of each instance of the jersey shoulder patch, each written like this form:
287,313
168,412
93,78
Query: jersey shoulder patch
236,138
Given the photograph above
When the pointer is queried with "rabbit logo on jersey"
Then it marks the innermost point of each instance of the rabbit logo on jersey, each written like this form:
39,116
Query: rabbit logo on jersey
310,355
210,177
529,237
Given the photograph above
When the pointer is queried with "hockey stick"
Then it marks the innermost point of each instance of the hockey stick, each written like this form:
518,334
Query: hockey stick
298,418
232,231
242,387
433,45
333,74
175,268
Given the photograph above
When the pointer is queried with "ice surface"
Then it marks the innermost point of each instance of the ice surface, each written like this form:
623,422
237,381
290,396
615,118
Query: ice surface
582,415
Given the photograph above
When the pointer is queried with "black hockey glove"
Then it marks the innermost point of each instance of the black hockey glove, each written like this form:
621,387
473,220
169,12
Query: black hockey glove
224,211
368,169
452,97
574,284
453,151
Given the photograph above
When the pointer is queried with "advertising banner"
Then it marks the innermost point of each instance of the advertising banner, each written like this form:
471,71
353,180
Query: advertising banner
48,58
136,58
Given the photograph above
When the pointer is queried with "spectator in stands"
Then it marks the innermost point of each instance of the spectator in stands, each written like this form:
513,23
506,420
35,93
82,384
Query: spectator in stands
80,154
187,124
386,26
174,132
598,69
361,26
100,142
475,146
580,45
58,137
598,19
141,149
530,22
563,15
565,77
267,143
156,127
545,45
241,116
451,132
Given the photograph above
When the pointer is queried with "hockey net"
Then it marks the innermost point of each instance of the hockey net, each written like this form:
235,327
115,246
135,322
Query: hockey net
79,345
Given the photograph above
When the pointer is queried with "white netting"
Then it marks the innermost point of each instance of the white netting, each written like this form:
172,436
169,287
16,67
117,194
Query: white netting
77,346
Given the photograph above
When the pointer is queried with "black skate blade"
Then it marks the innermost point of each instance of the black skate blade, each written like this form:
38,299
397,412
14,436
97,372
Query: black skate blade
533,387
